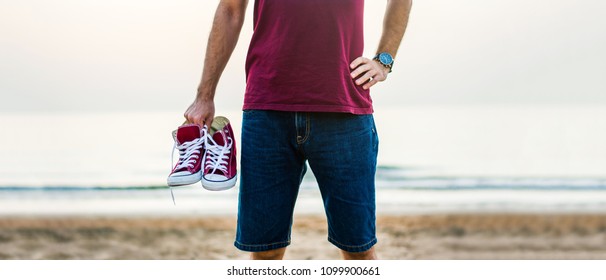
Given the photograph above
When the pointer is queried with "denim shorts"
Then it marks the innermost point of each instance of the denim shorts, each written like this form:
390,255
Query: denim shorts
341,150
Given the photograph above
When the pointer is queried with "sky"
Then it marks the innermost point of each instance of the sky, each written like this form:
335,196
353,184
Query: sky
146,55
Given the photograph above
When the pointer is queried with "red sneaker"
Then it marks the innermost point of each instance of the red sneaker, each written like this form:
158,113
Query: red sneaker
220,167
189,140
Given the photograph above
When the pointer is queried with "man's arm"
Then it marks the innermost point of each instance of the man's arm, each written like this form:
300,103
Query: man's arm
394,26
226,28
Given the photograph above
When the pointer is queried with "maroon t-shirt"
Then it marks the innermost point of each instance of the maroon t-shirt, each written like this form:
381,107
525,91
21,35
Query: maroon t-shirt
300,54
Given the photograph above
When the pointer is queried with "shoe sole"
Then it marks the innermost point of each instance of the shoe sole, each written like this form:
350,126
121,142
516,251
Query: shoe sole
219,186
184,180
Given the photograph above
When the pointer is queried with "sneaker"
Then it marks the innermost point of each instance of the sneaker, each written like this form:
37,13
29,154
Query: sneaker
220,157
189,140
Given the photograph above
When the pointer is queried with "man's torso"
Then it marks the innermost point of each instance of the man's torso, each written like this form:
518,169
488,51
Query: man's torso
299,56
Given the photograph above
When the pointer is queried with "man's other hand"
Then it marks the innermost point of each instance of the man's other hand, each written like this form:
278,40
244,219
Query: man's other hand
368,72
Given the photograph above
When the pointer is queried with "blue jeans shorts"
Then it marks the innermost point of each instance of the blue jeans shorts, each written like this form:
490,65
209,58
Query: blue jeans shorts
342,152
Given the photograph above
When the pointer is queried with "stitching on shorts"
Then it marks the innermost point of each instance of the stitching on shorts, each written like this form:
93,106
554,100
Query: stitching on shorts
275,243
350,246
307,127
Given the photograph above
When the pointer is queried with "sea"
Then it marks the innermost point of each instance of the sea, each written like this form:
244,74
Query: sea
432,159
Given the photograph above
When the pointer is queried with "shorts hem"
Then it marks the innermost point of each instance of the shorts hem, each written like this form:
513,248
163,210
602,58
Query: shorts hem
353,248
261,247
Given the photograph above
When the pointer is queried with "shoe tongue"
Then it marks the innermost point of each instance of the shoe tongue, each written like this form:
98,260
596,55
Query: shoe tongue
188,133
219,138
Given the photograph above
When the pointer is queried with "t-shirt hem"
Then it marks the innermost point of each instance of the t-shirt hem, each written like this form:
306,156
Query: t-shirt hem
309,108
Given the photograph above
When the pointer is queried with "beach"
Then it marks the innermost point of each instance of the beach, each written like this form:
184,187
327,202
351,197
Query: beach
452,182
401,237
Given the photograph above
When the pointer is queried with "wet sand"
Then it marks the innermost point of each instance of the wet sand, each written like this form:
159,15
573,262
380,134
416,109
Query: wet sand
457,236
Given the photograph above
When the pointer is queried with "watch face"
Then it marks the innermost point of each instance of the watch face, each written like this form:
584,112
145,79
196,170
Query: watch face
386,58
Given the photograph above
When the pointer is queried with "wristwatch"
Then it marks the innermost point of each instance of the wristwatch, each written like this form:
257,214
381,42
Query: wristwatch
385,59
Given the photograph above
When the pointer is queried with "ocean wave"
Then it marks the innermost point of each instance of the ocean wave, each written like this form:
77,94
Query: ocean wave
417,183
387,177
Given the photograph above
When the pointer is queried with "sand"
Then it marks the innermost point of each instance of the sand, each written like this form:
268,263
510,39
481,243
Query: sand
460,236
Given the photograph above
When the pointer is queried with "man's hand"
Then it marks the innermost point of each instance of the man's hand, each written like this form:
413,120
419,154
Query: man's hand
368,73
371,72
201,113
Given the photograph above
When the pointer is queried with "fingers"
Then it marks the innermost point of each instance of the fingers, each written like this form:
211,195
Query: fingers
200,120
367,73
192,117
208,122
360,70
371,77
188,116
370,84
200,113
360,60
365,78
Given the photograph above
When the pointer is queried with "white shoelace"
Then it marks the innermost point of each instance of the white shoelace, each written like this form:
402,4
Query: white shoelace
217,155
189,153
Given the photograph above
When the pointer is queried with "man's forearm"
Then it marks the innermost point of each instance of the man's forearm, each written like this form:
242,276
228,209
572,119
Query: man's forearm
226,28
394,25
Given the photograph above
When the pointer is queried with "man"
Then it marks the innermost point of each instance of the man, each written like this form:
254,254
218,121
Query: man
307,99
